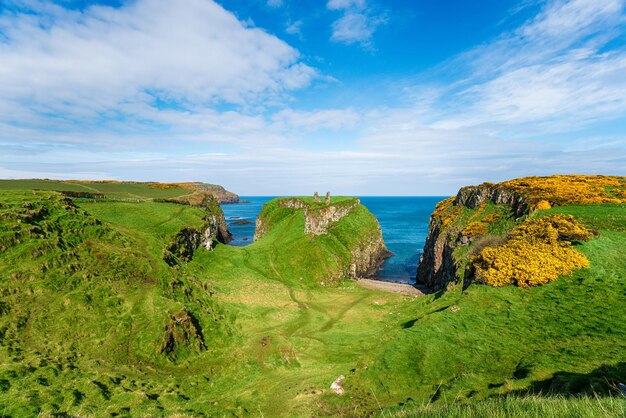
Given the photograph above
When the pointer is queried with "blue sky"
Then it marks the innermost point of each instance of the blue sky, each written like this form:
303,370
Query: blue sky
280,97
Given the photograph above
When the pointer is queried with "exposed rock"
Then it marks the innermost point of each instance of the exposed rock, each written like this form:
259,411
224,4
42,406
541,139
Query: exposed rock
241,222
474,196
317,220
182,329
437,267
327,201
188,240
367,259
261,228
337,386
292,203
316,197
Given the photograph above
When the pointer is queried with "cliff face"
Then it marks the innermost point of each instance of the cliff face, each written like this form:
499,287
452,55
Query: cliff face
218,192
447,233
365,249
437,267
474,196
317,218
213,230
366,259
481,216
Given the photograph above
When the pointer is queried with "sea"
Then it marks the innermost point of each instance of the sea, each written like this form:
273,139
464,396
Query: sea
403,220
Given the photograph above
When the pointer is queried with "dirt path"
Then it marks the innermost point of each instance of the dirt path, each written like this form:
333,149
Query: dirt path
401,288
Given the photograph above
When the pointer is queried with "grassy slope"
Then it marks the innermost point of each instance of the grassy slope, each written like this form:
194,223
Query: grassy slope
276,339
113,190
279,341
564,337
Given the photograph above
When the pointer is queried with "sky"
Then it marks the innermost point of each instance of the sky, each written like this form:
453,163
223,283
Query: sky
283,97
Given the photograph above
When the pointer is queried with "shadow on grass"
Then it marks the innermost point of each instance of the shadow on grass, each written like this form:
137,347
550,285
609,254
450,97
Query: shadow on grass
601,381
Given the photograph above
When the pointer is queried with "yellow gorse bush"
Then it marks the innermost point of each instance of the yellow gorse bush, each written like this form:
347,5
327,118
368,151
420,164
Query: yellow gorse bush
475,229
445,211
536,253
543,205
569,189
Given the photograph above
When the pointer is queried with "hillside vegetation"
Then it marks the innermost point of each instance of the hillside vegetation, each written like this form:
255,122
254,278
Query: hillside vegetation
190,193
96,322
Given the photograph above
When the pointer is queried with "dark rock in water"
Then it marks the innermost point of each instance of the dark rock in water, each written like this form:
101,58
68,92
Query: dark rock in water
245,239
234,217
241,222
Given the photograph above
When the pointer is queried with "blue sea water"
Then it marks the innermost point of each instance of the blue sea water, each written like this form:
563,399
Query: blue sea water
404,221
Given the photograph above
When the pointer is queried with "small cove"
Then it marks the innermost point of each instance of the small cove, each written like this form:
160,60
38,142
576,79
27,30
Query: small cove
404,222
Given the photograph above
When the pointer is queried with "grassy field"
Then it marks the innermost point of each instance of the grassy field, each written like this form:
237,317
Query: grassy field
87,305
186,193
112,190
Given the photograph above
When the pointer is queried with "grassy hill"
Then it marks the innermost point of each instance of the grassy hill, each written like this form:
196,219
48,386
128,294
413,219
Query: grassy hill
123,190
94,322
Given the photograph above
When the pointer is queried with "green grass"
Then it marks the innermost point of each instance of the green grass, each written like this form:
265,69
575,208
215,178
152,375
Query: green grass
514,406
112,190
82,337
610,217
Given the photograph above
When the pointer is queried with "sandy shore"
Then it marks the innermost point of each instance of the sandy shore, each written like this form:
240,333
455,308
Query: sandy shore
404,289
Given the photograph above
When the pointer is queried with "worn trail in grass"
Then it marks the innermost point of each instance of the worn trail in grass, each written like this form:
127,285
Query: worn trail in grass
296,336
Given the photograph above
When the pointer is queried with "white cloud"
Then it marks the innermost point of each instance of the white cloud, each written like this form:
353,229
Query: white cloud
294,28
358,23
552,75
68,62
345,4
275,3
333,119
556,72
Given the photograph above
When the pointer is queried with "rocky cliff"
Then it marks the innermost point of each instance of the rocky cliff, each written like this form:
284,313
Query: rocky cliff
367,258
213,230
474,196
482,216
437,266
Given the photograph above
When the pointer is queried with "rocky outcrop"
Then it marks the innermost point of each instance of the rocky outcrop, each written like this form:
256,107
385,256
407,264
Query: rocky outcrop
366,259
317,219
437,266
218,192
337,386
474,196
261,227
182,329
213,230
366,255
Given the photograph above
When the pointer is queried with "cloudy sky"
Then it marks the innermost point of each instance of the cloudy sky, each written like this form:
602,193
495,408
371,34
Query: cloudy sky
277,97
